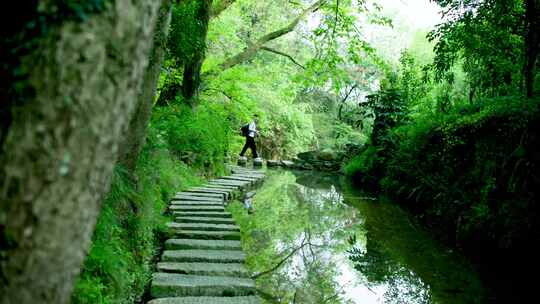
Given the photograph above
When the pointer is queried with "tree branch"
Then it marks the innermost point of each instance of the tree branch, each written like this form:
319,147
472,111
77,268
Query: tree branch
219,8
249,52
280,262
282,54
345,99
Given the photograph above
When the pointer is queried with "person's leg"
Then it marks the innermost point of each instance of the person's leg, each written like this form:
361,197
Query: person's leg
253,147
246,145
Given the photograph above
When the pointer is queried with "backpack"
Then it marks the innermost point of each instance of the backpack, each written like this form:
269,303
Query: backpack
244,130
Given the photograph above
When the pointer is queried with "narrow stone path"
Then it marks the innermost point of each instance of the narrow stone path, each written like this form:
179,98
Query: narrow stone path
204,263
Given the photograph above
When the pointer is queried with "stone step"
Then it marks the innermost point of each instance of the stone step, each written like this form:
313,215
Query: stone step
210,220
240,186
249,174
233,190
215,194
174,285
230,182
203,214
213,184
196,208
196,203
206,235
196,198
201,255
178,244
205,269
203,226
227,194
240,179
241,170
208,300
190,193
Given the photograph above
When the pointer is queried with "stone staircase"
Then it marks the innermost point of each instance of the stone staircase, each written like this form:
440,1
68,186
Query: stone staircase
204,263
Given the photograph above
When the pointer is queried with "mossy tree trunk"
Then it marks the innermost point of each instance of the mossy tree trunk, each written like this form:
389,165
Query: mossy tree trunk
58,152
192,69
136,135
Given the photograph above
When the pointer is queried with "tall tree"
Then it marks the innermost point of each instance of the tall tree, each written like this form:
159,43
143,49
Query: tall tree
532,43
136,133
192,68
497,41
60,147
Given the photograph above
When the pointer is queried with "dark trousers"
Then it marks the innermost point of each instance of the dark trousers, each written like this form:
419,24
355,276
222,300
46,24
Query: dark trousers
250,143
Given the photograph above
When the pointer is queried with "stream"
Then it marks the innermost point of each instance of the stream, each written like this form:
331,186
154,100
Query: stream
316,240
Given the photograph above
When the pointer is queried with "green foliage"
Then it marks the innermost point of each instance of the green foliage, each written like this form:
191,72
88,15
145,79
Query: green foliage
127,235
388,110
468,171
186,31
199,138
471,33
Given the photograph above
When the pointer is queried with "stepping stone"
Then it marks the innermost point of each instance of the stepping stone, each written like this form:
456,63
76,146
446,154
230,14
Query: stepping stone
241,179
205,269
211,189
207,235
250,175
223,187
195,208
196,198
208,300
178,244
244,170
226,193
203,214
230,183
196,203
212,195
203,226
172,284
206,256
209,220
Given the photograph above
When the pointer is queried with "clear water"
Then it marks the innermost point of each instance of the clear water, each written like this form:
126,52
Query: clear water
338,246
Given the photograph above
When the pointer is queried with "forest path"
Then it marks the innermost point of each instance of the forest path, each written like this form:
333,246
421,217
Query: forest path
203,262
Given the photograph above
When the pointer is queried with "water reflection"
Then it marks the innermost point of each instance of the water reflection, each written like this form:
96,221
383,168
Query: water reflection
312,241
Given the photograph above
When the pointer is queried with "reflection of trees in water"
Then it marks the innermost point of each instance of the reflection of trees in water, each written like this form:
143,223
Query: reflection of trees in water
402,262
307,276
303,268
318,180
402,286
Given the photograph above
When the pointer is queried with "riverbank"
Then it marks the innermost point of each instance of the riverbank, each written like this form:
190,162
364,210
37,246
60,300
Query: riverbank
470,177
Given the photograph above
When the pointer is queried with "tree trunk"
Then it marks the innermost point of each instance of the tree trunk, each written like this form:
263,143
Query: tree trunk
136,135
532,41
192,68
58,154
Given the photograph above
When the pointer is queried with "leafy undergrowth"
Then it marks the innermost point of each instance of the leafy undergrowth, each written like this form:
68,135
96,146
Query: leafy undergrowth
129,230
471,173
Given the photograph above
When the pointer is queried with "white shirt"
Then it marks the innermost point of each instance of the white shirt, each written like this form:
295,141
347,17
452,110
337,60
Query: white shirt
252,129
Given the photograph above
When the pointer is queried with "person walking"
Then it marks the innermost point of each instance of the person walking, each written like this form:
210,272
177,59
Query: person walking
250,133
